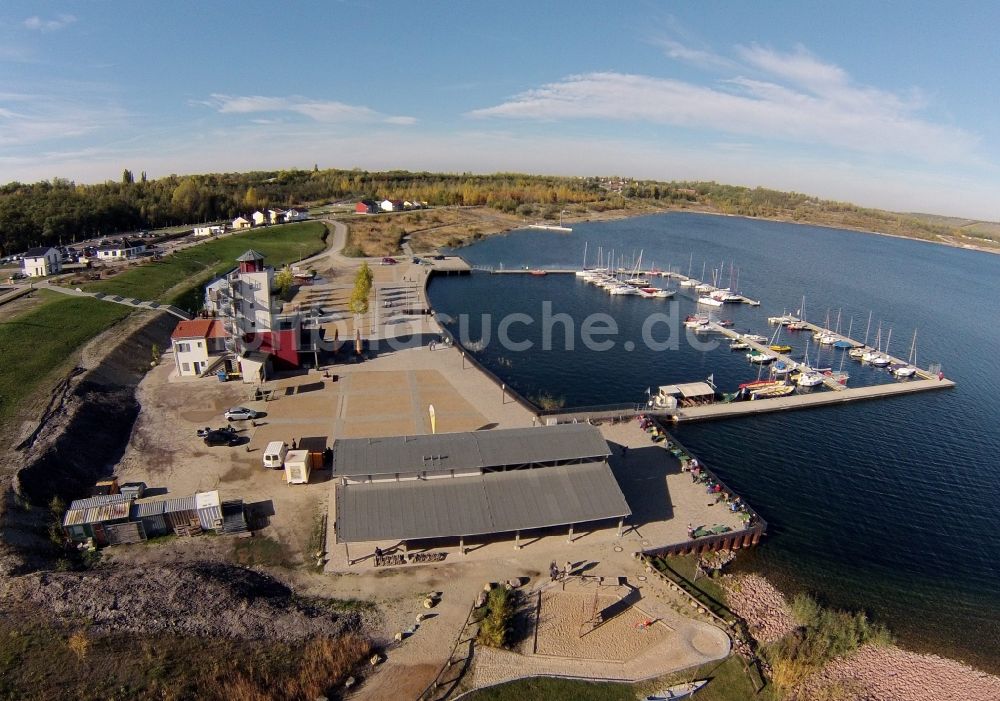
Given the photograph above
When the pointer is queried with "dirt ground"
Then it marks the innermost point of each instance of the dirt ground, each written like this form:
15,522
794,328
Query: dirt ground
564,628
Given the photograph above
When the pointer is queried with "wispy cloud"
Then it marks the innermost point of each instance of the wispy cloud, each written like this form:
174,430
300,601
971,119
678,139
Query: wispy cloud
329,111
767,94
49,25
28,118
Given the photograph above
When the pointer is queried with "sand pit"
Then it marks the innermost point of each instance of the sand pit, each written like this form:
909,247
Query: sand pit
563,616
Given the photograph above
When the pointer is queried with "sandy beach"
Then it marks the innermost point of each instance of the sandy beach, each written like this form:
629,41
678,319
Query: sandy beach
871,673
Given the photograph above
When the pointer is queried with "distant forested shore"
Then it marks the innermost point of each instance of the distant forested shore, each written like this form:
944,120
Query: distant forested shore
60,211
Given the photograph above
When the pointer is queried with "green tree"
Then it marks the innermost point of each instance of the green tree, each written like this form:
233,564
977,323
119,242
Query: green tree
127,177
362,287
284,280
251,200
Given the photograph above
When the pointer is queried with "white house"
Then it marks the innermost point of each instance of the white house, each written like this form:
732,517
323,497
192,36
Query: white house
276,216
121,251
259,218
241,223
296,215
387,205
198,345
42,261
209,230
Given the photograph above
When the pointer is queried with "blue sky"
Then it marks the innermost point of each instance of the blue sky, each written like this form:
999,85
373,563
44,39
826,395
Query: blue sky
883,104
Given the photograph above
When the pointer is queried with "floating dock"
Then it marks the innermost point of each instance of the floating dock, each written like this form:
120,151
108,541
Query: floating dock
839,394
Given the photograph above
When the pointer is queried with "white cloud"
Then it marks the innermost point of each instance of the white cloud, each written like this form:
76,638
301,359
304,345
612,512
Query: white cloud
49,25
702,58
786,97
27,118
329,111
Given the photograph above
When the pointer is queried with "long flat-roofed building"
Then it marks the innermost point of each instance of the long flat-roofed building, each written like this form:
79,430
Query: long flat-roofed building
460,485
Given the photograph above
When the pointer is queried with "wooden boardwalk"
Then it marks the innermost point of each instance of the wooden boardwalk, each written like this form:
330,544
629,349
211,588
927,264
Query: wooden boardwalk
805,401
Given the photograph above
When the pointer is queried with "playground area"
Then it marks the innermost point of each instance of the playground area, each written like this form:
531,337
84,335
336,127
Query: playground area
595,621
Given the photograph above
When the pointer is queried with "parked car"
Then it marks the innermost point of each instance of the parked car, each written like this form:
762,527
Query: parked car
389,261
202,432
221,438
240,413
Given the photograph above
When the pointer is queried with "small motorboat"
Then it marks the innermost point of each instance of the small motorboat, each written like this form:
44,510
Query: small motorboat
709,301
725,323
809,378
760,358
754,337
780,348
678,691
539,272
843,344
737,344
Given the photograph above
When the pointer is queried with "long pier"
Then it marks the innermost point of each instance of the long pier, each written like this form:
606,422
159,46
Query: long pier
805,401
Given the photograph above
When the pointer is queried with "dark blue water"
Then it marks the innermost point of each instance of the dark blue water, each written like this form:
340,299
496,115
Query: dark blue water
890,505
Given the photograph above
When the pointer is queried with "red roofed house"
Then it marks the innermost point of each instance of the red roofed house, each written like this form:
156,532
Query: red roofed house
198,346
365,207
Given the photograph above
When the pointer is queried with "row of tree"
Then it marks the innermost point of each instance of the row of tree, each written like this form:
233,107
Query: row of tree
59,211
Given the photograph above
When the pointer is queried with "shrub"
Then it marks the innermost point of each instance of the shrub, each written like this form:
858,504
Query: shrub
823,635
494,630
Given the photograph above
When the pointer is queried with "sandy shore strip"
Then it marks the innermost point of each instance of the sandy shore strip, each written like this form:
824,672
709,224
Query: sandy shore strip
870,674
892,674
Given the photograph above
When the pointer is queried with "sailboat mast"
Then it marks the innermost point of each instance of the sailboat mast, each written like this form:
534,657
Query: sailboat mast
870,312
584,255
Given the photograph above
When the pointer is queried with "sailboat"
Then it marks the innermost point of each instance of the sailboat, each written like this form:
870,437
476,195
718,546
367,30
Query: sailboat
844,343
778,347
552,227
809,377
881,358
858,353
584,272
910,368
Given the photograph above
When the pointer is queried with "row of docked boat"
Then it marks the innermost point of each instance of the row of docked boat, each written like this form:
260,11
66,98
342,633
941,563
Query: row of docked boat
618,281
635,285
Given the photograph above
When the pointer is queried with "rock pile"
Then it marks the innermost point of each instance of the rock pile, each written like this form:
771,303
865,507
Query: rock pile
762,606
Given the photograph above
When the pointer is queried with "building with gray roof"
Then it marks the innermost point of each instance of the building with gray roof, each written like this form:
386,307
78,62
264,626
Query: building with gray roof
447,454
459,485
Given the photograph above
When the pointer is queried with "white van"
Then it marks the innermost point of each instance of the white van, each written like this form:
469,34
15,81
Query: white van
274,454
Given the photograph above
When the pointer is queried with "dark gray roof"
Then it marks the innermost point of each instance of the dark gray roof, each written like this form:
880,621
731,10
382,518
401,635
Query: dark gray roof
37,252
478,449
250,256
496,502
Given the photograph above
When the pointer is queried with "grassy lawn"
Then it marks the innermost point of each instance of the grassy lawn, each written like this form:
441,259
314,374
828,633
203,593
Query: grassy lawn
165,280
728,682
35,345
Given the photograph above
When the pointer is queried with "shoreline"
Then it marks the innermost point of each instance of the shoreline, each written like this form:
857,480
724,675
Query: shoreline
874,672
616,215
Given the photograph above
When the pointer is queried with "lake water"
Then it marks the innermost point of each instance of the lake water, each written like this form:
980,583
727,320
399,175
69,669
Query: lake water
890,506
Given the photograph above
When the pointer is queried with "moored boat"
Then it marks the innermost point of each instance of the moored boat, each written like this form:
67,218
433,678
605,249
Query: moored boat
678,691
709,301
755,356
778,348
